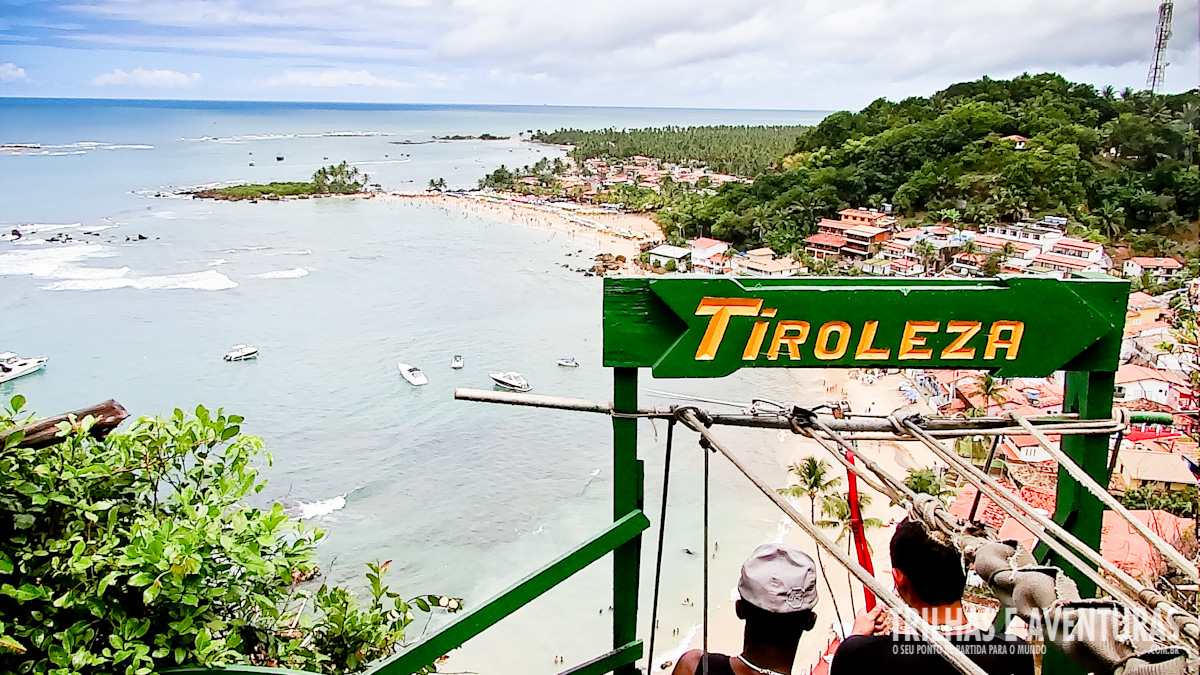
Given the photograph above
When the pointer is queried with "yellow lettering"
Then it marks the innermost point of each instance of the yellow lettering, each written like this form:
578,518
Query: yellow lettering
720,309
821,348
910,341
1011,345
754,344
793,342
866,351
958,349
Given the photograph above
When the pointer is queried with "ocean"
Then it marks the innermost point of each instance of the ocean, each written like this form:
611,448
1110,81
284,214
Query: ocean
465,498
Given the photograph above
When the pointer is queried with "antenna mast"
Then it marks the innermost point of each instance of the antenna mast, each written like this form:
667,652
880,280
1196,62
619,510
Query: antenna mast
1155,79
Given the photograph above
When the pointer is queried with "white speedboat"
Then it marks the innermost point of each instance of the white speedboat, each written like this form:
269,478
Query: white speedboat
456,362
568,362
413,374
13,366
511,380
241,353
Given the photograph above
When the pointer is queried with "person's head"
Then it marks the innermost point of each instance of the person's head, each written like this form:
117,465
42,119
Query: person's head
778,590
926,571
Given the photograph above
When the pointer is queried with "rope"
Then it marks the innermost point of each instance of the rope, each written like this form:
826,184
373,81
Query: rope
1153,599
1077,472
704,595
658,560
910,617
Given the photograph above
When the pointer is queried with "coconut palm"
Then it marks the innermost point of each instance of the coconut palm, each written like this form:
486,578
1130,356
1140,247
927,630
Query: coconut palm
813,481
928,481
836,509
927,253
990,387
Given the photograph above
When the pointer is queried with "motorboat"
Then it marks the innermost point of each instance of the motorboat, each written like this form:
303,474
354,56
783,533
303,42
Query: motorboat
413,374
241,353
511,380
568,362
456,362
13,366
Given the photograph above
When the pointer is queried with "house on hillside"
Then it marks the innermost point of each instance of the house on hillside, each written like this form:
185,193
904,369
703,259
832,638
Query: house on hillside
708,255
1161,470
666,253
1017,141
1134,382
1072,247
1042,236
761,262
1161,269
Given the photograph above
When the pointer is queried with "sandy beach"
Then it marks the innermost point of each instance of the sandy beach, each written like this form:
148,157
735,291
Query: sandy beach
551,218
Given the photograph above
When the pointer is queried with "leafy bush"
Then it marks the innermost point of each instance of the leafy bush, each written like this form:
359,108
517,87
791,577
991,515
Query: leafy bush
138,552
1182,503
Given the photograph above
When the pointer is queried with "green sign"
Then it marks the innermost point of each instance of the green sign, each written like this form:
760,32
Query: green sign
711,327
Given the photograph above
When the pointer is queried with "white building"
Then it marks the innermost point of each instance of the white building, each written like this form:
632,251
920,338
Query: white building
677,254
1162,269
1039,235
708,255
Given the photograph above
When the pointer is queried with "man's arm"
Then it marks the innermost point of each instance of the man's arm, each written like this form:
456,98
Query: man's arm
689,663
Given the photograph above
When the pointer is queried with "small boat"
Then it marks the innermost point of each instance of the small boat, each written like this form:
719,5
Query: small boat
241,353
456,362
278,158
568,362
13,366
413,374
511,380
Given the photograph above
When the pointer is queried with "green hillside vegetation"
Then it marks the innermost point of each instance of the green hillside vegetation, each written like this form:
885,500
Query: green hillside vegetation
1122,167
739,150
150,549
335,179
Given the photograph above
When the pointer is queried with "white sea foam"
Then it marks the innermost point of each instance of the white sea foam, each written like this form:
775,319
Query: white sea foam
80,148
320,508
218,261
299,252
246,248
249,138
294,273
35,228
49,262
208,280
677,651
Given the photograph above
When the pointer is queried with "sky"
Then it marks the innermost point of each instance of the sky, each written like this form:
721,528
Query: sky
768,54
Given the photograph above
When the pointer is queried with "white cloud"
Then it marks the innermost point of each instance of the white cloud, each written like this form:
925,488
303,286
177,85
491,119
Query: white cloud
332,78
9,72
146,78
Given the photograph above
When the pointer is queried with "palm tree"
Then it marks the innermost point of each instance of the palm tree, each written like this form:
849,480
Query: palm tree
1109,92
836,509
928,481
990,387
813,482
926,252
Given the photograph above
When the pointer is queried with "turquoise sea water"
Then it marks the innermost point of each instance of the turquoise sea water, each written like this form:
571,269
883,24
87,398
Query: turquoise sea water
465,498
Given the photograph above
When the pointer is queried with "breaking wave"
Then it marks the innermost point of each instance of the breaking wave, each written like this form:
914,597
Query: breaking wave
80,148
294,273
320,508
208,280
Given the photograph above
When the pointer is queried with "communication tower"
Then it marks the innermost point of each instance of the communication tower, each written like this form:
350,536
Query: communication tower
1155,79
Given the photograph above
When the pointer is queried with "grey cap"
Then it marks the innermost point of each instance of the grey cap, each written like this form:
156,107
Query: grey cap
779,579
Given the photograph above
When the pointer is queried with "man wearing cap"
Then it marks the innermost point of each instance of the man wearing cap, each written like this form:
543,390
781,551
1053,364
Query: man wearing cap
778,590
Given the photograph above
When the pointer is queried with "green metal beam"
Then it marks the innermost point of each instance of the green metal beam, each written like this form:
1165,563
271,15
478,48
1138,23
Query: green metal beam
627,498
513,598
622,656
233,670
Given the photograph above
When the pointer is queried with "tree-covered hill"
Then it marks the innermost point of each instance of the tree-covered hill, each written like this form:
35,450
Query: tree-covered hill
739,150
1121,166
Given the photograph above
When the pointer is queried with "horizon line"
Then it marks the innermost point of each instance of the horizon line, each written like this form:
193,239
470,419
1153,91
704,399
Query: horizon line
380,103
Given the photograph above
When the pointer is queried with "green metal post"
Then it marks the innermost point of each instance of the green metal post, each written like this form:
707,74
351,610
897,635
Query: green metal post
1090,394
627,497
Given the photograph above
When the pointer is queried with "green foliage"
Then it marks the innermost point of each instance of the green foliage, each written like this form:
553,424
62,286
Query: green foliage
139,552
1182,503
738,150
500,179
1123,168
335,179
928,481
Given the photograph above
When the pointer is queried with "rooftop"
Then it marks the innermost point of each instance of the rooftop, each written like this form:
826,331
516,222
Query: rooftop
825,239
1071,243
705,242
1157,263
669,251
1163,467
1064,261
1134,373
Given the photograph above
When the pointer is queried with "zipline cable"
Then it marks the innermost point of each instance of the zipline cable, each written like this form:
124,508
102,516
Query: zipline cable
1155,600
911,617
1077,472
658,559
